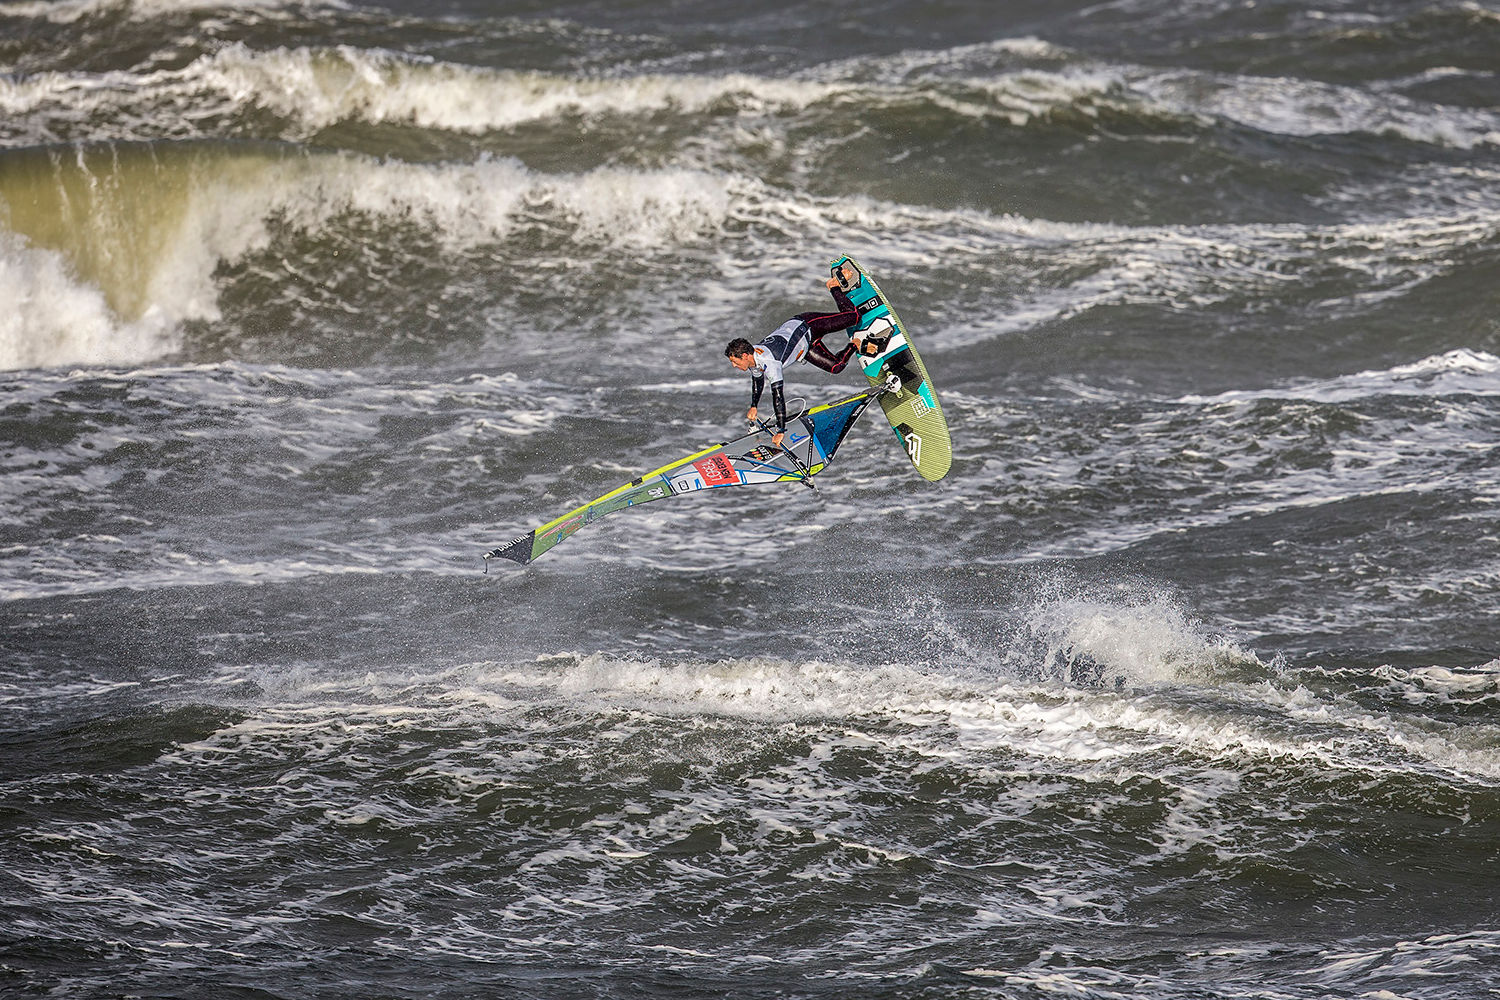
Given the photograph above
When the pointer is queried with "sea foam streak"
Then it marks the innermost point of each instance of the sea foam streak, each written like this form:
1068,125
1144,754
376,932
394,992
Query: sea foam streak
1455,372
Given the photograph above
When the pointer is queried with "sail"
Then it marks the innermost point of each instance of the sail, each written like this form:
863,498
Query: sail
810,442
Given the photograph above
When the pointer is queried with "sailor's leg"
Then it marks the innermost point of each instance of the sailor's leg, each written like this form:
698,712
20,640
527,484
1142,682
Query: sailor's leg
825,359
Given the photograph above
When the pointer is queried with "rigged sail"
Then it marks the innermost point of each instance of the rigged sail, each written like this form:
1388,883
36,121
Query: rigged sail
810,442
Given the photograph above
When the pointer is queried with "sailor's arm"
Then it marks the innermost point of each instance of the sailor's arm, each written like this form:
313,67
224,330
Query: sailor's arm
757,383
778,402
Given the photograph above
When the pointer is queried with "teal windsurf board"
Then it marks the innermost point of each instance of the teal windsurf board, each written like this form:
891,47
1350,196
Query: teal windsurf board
912,408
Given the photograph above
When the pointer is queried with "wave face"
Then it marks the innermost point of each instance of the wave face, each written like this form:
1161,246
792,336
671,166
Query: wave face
1183,684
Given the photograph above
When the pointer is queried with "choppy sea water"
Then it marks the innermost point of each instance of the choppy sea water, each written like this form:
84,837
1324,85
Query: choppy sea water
1183,684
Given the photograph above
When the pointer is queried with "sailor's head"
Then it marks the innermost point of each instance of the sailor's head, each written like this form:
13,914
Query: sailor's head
740,353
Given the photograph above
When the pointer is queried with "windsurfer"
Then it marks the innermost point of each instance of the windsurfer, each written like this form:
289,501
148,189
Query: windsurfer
798,339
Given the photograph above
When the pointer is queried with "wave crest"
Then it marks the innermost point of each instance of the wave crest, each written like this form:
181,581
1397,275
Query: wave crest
133,237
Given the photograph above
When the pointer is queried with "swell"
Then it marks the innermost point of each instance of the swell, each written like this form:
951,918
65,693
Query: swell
265,251
140,240
803,784
299,93
312,174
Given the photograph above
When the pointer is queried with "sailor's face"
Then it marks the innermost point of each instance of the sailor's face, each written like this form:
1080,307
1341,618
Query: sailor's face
742,361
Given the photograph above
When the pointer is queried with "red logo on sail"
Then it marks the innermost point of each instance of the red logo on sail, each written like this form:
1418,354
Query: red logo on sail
716,470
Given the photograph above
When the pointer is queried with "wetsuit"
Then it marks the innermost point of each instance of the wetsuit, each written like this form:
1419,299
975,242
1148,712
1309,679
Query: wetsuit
800,339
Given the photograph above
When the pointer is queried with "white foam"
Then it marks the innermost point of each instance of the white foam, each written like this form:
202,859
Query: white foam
312,89
71,11
628,207
1104,727
1023,97
1054,78
1296,107
52,318
1460,371
1146,640
1427,961
1442,684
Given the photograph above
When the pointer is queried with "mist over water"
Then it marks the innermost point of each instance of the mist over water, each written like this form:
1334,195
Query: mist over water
1182,684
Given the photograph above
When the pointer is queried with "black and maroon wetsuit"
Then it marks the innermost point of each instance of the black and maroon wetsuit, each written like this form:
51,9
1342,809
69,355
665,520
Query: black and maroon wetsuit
800,339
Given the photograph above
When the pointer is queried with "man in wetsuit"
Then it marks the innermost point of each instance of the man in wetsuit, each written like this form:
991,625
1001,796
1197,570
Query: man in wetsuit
798,339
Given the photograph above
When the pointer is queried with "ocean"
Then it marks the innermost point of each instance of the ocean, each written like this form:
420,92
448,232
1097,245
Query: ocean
1184,684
